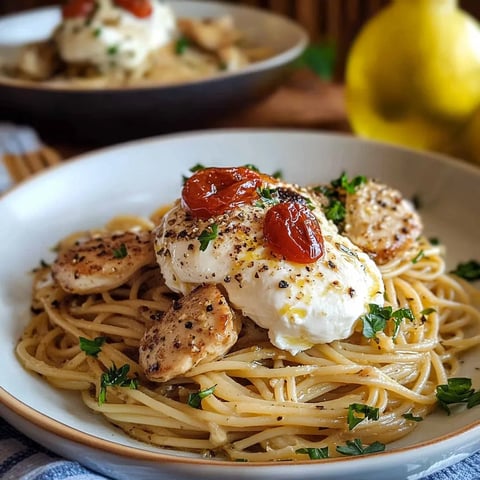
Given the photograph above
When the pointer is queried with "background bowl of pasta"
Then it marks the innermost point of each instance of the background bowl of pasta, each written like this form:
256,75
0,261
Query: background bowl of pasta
186,88
136,179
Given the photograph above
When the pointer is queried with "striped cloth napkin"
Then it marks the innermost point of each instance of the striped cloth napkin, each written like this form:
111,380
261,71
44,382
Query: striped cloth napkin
23,459
14,139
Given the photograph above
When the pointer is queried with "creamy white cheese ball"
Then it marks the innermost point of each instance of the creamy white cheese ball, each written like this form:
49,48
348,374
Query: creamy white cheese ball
114,38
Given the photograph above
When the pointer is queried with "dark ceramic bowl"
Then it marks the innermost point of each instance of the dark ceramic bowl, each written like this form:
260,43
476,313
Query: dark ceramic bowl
112,114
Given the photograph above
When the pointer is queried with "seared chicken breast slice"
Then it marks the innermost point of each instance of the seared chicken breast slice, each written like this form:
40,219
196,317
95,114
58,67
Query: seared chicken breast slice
210,34
199,327
103,262
380,221
38,61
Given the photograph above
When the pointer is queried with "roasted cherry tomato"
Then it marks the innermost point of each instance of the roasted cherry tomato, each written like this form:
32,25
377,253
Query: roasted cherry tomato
214,191
291,230
78,8
139,8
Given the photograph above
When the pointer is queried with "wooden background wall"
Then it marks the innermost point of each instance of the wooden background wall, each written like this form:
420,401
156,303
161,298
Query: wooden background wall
336,20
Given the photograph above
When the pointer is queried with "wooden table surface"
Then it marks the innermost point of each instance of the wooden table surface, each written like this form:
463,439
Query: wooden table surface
303,101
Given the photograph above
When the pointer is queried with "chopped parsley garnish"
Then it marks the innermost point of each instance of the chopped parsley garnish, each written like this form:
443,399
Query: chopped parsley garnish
418,256
112,50
120,252
181,45
43,264
474,400
277,174
115,377
376,320
314,453
350,186
208,235
196,168
434,241
335,193
309,203
356,447
195,399
97,32
92,347
358,412
268,197
457,390
469,271
425,312
411,417
398,316
336,211
324,190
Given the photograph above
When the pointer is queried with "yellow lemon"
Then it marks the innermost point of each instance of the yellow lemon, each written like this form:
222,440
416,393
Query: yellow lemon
469,147
413,74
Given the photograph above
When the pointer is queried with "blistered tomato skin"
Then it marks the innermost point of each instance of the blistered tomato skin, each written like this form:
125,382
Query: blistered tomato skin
215,191
291,230
78,8
139,8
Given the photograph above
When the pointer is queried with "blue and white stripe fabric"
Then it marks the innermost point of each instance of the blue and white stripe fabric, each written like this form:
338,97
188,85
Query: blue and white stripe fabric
23,459
15,139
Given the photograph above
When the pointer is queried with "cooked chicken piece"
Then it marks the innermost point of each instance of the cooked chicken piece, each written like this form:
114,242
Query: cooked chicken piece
38,61
210,34
102,262
199,327
232,58
257,54
380,221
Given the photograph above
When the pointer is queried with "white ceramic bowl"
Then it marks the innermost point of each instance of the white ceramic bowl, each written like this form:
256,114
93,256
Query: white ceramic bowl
136,178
